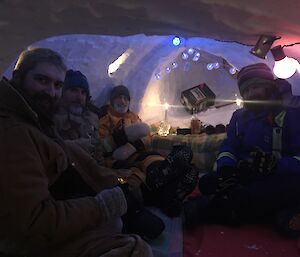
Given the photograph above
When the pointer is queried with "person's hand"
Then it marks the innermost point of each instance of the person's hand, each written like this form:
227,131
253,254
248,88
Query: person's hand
112,202
263,162
130,133
124,152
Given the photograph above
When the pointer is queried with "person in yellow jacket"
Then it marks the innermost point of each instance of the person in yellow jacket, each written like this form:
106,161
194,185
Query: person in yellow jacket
165,182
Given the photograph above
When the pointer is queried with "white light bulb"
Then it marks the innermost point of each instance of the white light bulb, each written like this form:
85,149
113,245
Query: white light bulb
190,51
174,65
232,70
209,66
184,56
168,70
216,65
158,76
285,68
195,58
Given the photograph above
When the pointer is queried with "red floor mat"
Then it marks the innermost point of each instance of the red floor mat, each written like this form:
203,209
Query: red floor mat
246,241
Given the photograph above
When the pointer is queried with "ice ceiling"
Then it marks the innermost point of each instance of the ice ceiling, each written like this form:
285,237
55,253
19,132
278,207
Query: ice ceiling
146,28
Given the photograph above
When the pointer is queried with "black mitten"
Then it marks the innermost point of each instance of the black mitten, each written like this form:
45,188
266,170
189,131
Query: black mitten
120,136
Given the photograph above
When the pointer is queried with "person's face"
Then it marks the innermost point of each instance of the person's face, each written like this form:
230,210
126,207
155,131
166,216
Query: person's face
75,99
121,104
255,92
256,96
43,86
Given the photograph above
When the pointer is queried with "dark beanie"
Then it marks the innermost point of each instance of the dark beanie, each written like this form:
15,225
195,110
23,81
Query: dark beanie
254,74
117,91
76,79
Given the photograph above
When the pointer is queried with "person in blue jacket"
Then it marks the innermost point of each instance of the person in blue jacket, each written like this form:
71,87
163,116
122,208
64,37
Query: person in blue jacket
258,167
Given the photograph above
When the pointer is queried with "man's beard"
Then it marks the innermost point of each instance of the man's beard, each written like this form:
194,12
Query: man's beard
76,109
121,108
44,105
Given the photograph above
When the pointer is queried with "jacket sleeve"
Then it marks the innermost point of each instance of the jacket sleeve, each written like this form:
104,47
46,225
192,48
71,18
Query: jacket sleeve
27,208
228,150
290,160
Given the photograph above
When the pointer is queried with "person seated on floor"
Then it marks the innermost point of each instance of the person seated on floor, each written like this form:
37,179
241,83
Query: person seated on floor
258,167
165,182
74,120
56,200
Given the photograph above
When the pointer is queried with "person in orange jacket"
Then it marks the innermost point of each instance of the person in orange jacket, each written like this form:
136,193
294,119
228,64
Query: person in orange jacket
165,182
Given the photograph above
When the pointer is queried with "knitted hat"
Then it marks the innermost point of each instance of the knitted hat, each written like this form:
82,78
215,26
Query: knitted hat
258,73
76,79
117,91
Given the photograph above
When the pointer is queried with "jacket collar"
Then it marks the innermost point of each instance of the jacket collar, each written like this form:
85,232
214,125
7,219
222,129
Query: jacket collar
12,101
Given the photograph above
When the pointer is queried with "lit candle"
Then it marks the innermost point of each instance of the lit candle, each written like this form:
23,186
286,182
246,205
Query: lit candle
166,110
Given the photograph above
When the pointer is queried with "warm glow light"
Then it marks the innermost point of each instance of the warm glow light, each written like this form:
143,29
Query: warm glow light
285,68
238,101
166,106
114,66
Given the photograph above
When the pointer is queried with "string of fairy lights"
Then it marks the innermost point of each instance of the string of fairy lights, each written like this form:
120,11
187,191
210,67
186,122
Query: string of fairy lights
190,56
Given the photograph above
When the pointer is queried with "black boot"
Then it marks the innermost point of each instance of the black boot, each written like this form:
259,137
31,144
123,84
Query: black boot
174,167
189,180
180,153
139,220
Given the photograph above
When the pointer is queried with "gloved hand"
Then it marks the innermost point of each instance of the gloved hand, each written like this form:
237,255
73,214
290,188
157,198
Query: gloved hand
138,219
263,162
112,202
227,178
130,133
124,152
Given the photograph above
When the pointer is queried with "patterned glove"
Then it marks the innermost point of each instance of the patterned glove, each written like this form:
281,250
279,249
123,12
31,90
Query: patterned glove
262,162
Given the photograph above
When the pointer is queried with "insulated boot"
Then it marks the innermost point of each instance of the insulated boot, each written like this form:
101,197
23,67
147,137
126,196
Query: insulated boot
139,220
180,153
161,173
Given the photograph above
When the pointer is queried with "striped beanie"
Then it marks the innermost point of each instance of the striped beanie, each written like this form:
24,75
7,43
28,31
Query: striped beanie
254,74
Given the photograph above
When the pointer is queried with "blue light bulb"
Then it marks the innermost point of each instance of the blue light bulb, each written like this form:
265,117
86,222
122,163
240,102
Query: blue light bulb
176,41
